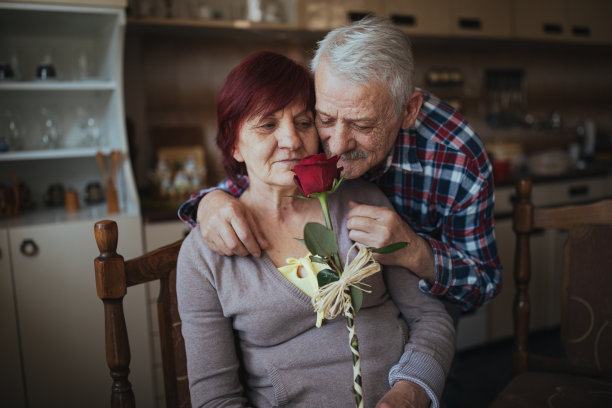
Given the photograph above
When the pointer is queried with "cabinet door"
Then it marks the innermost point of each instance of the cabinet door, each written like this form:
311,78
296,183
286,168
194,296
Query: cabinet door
540,19
481,18
61,319
11,379
589,20
162,233
545,285
420,16
326,15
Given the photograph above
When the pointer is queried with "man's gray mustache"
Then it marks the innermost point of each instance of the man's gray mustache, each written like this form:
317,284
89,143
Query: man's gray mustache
352,155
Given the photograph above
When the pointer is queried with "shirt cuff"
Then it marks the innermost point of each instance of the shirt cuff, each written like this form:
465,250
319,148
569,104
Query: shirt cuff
444,268
423,370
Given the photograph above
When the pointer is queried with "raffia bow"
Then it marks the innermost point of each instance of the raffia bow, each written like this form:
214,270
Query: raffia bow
333,298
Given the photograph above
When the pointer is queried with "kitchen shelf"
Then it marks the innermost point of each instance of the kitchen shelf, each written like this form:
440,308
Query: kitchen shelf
53,154
42,215
59,86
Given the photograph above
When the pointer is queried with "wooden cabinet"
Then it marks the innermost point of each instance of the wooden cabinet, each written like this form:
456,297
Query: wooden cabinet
481,18
326,15
424,17
589,20
569,20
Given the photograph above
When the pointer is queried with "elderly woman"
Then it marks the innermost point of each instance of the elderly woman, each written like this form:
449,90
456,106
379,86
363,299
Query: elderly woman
249,325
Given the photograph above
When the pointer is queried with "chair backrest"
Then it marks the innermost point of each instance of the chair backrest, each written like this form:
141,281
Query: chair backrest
586,270
113,277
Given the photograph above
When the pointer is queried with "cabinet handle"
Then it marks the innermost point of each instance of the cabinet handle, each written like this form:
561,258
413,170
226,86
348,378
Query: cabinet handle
406,20
356,15
581,31
29,248
470,23
552,28
578,191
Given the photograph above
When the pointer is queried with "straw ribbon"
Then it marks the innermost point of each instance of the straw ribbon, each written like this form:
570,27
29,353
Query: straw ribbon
332,298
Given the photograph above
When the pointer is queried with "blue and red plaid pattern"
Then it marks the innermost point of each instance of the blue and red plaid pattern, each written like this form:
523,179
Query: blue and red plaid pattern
439,179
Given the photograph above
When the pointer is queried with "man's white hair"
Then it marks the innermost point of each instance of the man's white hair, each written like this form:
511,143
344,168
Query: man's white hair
372,49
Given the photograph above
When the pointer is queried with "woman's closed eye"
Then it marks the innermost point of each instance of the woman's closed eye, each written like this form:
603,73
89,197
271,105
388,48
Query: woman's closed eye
304,123
267,125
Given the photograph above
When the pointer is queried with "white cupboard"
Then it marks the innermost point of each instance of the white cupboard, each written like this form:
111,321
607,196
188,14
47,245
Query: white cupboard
63,94
61,319
11,375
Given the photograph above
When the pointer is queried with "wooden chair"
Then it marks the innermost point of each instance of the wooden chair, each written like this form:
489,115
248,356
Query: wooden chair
583,377
113,277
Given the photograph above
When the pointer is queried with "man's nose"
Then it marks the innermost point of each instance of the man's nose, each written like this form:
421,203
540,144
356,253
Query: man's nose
340,140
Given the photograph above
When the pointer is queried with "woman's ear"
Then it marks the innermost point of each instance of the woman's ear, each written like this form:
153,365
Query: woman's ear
237,155
411,111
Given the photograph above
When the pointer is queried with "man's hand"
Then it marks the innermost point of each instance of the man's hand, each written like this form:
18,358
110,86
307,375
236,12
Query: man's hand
404,394
376,227
228,227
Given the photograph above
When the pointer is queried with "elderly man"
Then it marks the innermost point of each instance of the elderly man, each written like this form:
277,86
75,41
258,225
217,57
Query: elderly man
424,156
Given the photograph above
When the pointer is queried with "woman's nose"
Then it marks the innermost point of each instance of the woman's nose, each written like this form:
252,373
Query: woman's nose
288,138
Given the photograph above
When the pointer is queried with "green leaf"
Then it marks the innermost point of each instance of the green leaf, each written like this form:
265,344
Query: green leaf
356,298
326,276
303,197
390,248
318,259
320,240
336,184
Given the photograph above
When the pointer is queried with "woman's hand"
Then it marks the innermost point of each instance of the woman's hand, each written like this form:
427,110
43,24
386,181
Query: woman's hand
404,394
228,227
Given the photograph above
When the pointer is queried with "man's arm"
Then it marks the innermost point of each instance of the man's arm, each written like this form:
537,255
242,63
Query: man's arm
468,268
226,225
188,211
463,264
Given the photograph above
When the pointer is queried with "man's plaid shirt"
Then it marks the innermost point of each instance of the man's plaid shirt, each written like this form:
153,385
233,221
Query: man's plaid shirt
439,178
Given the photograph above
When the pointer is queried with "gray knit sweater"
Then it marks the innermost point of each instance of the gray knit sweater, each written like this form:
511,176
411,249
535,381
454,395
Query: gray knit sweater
240,313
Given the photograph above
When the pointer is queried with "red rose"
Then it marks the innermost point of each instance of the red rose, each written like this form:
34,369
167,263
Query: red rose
316,173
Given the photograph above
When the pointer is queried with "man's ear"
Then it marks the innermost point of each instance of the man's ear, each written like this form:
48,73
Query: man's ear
412,108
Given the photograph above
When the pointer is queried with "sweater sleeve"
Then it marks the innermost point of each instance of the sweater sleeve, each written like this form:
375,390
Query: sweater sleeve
429,352
212,362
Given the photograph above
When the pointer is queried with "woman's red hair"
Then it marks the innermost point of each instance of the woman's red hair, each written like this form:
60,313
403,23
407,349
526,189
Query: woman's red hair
261,84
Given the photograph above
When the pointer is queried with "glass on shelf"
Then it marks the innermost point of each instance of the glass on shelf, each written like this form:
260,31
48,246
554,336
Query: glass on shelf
50,136
46,70
6,71
9,67
83,66
11,131
89,130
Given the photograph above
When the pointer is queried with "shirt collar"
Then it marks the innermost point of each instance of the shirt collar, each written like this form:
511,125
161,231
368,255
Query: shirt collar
403,154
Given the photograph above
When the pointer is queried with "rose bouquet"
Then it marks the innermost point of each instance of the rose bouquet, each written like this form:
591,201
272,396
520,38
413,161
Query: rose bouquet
339,286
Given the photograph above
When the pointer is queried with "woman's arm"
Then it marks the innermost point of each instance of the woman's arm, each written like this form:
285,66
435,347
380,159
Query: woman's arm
431,346
212,361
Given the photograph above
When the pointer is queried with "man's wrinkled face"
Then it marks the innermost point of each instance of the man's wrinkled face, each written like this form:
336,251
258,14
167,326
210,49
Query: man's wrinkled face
356,122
